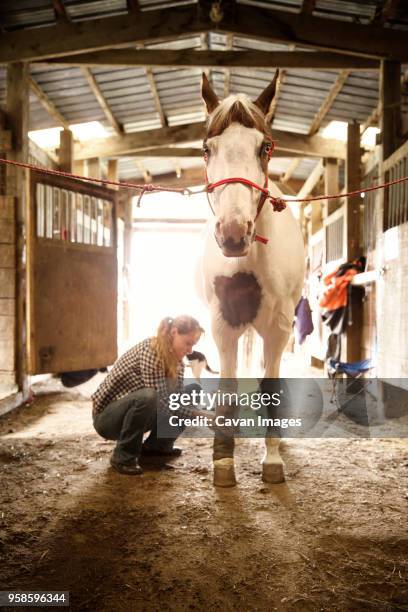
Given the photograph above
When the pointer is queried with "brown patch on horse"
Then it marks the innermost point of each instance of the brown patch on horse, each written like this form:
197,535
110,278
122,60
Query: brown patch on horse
249,116
240,297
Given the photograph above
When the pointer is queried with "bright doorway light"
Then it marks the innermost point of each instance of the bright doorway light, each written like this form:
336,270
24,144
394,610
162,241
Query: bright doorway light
368,139
337,130
49,138
46,139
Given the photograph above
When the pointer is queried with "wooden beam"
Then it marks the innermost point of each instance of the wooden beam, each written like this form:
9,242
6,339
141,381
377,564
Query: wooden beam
274,103
205,58
60,11
66,151
113,175
311,181
372,119
47,104
313,146
93,84
327,103
331,185
291,168
158,25
133,6
94,168
353,180
386,12
374,116
308,6
17,110
390,104
317,32
190,177
189,152
156,97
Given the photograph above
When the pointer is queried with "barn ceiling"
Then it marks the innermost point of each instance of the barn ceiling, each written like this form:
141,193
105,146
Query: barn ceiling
136,98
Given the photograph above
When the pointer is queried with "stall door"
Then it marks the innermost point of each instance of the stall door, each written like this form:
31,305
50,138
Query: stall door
72,275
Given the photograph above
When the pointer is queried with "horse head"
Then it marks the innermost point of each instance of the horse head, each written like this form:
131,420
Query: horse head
238,144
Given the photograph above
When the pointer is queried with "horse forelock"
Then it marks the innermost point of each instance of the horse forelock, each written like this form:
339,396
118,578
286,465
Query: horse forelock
236,109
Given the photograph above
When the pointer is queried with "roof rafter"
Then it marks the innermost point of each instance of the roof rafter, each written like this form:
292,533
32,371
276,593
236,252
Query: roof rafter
290,170
93,84
157,25
312,180
47,103
155,95
327,103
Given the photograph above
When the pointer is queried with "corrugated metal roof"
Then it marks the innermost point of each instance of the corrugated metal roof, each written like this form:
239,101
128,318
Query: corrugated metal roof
129,95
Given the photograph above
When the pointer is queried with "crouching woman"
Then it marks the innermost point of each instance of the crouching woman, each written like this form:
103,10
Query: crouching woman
133,398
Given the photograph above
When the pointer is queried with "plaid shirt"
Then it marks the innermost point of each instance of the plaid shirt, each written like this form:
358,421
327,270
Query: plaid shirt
134,370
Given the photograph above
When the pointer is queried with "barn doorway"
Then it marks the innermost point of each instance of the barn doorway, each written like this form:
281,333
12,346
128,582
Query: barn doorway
165,246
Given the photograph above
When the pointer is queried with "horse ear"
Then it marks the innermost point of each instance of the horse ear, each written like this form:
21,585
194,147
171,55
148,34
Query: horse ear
266,97
209,97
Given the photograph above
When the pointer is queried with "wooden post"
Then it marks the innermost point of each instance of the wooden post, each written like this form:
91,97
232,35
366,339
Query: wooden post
94,168
391,128
78,167
331,185
353,181
17,109
390,104
113,172
66,151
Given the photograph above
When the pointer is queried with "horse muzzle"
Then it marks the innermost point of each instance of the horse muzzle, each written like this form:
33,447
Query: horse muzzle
234,239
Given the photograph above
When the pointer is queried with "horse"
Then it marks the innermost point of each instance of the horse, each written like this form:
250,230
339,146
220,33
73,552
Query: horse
251,267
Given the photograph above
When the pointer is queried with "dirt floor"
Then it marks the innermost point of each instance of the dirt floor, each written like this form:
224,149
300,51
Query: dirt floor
333,537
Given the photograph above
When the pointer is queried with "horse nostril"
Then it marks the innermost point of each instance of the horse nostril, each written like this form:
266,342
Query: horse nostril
250,227
231,245
218,227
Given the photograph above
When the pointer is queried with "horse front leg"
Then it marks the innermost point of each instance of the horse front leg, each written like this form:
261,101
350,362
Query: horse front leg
226,339
275,341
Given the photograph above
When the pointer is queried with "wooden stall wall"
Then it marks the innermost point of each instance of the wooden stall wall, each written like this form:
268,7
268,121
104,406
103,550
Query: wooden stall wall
392,261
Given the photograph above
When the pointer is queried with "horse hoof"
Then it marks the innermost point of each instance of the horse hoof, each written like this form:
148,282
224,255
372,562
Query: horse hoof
224,474
273,472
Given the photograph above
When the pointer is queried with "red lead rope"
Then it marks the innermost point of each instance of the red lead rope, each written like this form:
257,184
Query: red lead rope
277,203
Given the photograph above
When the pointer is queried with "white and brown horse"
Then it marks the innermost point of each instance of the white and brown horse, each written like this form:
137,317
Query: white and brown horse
244,281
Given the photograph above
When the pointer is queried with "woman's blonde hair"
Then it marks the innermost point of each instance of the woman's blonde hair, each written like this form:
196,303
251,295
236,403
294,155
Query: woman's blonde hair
162,342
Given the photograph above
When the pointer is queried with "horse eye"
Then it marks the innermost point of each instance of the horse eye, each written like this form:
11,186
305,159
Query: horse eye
206,150
266,147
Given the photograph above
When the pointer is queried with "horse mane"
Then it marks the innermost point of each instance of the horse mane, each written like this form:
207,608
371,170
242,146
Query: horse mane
236,109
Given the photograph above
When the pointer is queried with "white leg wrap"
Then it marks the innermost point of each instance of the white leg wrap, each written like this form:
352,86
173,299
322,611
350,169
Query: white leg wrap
272,464
224,474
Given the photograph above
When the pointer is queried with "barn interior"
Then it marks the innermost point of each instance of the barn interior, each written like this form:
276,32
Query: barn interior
110,90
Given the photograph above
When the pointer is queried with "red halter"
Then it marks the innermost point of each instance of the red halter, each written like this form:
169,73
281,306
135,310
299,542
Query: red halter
277,203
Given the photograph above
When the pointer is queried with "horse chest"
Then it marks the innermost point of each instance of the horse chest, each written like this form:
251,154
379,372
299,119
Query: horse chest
239,297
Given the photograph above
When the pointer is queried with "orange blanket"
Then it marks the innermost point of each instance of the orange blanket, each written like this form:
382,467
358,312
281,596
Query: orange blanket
335,295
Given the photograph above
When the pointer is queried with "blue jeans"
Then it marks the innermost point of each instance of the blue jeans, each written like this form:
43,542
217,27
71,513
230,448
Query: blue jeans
128,418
